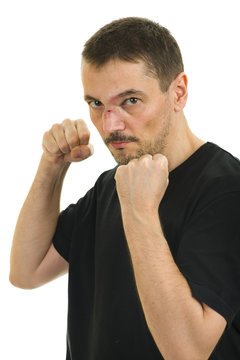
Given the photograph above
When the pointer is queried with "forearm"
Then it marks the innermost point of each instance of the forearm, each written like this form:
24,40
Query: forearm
182,327
174,317
37,221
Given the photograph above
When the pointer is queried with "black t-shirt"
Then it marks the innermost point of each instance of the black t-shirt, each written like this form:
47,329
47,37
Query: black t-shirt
200,216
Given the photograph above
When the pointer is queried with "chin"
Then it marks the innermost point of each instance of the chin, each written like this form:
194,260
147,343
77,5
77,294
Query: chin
123,159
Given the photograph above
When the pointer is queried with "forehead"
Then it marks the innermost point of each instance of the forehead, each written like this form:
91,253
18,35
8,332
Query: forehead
115,77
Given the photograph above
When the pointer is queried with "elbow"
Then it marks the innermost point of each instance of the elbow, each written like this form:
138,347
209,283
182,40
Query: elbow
21,283
185,352
188,356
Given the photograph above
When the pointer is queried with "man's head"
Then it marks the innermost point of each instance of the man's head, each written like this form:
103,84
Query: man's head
133,82
132,39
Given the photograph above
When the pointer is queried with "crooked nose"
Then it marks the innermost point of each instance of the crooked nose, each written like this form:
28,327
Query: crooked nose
113,121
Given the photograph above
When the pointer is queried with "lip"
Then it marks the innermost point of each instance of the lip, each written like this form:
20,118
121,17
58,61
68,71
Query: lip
120,145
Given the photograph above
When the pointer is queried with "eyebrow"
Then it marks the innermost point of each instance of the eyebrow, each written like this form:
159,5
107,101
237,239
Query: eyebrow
120,95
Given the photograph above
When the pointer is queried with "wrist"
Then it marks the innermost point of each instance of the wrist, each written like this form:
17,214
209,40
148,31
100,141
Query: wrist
51,173
142,230
144,218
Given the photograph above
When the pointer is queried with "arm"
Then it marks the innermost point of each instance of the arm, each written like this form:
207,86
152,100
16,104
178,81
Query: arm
182,327
63,144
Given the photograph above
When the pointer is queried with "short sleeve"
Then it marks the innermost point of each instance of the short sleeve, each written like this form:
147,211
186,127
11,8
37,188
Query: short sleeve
209,254
74,216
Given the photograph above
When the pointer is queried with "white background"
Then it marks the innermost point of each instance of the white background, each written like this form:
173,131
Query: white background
40,45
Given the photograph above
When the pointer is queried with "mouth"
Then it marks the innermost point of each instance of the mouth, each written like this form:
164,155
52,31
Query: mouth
120,144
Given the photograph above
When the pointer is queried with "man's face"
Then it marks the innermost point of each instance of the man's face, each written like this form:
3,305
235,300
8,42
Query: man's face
128,108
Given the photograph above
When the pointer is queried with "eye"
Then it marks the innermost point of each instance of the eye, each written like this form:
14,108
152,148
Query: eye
95,104
131,101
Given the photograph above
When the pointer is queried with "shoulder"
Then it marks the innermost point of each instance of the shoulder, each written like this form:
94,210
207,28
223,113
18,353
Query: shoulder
223,162
210,176
221,173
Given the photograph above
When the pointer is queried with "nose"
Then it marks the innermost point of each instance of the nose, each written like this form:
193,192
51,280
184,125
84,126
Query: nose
113,121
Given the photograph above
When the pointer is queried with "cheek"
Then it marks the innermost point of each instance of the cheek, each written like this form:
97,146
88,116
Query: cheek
148,119
150,123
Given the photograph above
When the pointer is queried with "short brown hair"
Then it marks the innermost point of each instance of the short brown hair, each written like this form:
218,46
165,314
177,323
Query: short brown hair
133,39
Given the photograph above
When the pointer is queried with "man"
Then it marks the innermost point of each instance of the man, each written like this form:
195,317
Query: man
153,248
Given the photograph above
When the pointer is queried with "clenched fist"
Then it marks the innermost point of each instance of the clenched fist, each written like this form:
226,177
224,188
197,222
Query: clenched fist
142,183
67,142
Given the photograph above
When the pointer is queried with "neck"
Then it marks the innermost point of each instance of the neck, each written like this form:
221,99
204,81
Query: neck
181,143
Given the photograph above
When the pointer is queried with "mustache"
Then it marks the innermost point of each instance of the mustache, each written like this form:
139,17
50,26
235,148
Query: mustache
119,137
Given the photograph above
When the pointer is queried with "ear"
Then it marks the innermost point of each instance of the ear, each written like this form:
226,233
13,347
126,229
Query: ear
180,91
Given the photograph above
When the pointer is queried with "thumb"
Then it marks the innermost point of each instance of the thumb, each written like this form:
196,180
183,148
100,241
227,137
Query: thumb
79,153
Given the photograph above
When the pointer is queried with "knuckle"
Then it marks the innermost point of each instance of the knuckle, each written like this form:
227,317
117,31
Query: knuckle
145,159
80,122
54,148
73,140
131,163
164,161
119,170
160,157
56,130
67,122
45,136
81,126
64,147
44,147
56,127
84,138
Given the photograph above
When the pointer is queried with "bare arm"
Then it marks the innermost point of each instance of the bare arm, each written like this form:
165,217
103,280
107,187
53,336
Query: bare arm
34,260
182,327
